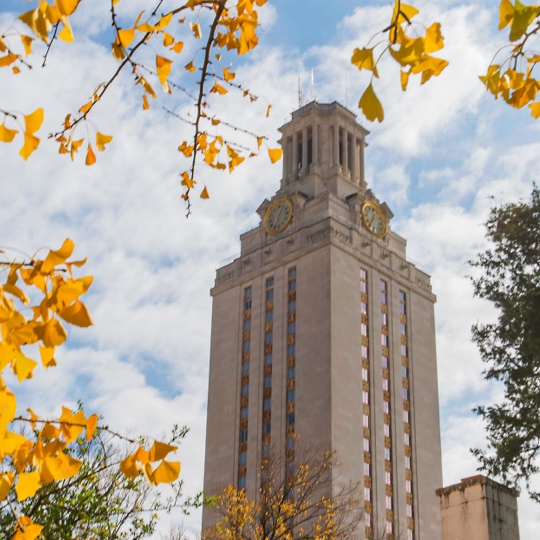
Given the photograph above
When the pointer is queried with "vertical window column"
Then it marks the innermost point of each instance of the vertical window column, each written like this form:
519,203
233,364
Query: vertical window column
244,390
387,407
366,404
267,377
405,374
291,369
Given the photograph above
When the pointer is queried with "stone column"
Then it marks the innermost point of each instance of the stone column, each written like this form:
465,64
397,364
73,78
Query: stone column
354,150
315,144
304,151
295,155
336,144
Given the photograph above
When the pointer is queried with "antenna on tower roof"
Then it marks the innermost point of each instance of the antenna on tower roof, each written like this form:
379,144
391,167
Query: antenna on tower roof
300,93
312,86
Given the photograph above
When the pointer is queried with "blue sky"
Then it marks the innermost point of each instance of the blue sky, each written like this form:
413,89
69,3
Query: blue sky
443,149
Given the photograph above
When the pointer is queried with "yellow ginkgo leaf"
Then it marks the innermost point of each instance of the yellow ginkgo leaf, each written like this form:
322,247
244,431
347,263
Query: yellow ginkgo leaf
6,481
91,425
186,149
405,12
523,17
168,40
66,34
90,156
76,314
535,109
58,256
190,67
434,40
15,70
66,7
163,69
129,467
145,104
102,140
370,105
34,120
187,180
8,407
404,78
168,471
275,154
195,27
23,366
6,134
506,13
205,194
8,59
177,47
126,37
218,89
28,531
52,333
27,43
47,356
27,485
228,75
363,59
59,467
31,142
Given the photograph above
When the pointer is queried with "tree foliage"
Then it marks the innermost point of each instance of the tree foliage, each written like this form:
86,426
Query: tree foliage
99,502
295,502
510,279
37,298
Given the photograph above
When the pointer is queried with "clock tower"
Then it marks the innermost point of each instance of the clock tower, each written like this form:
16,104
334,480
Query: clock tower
323,329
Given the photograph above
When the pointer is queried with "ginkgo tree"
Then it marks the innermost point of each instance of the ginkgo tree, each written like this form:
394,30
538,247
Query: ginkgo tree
38,298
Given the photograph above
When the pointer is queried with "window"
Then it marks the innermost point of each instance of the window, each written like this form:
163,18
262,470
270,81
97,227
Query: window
363,307
290,395
292,285
270,315
366,420
403,349
268,359
401,296
383,297
242,459
245,368
386,430
290,419
387,454
245,390
366,444
291,372
269,294
290,443
267,404
363,287
385,385
245,346
365,397
385,362
405,393
363,274
268,381
367,469
292,306
269,282
410,534
388,502
383,285
364,351
407,462
368,519
404,372
384,340
388,478
268,337
292,272
403,328
407,439
389,527
242,482
244,411
406,416
365,374
292,327
248,291
408,486
266,450
247,325
384,319
367,494
247,304
363,329
243,435
386,407
267,427
291,349
409,510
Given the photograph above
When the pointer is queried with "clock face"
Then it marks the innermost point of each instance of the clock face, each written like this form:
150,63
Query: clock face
374,220
278,216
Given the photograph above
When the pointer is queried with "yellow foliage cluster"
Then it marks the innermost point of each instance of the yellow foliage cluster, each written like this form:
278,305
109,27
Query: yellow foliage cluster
413,54
513,79
27,463
233,28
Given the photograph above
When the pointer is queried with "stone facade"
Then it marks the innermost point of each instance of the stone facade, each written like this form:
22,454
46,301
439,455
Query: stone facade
360,341
479,508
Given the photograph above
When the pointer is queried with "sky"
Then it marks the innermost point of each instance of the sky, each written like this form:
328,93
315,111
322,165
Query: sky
445,152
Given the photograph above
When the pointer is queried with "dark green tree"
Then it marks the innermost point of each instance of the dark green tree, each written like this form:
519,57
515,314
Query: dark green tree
99,503
510,279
